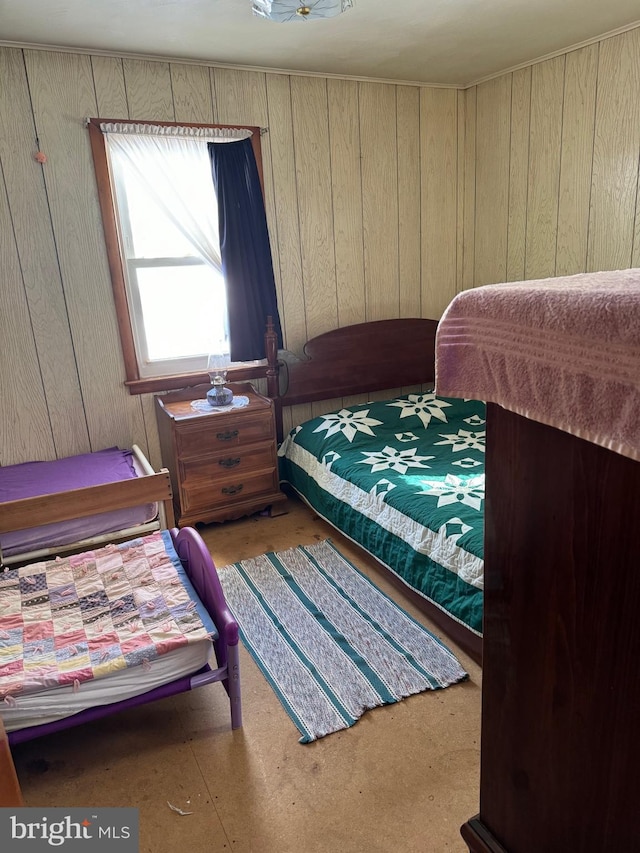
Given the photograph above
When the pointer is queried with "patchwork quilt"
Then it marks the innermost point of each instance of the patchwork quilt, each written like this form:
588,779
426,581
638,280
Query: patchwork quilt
404,478
66,621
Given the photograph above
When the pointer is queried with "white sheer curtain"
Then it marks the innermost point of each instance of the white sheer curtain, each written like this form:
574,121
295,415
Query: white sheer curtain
167,219
176,188
176,173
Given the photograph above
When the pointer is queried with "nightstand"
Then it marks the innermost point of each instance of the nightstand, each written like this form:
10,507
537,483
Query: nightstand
222,463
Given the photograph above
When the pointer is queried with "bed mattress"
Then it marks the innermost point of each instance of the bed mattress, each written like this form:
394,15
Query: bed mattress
97,628
31,479
404,478
59,702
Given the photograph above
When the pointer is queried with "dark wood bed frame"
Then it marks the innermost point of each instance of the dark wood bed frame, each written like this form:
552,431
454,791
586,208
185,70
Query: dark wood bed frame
366,357
356,359
560,689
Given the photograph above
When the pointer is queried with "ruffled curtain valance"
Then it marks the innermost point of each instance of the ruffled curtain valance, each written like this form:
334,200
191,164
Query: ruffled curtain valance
173,172
206,134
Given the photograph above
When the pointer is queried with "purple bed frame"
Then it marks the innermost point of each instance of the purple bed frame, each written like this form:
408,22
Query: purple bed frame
199,566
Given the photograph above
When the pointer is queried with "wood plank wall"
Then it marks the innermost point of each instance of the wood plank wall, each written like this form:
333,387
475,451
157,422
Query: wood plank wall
551,167
356,175
382,201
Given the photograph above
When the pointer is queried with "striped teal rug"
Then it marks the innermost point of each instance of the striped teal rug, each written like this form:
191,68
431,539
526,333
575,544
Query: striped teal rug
329,642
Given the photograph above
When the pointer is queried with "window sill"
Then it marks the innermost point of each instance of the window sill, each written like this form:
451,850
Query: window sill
154,384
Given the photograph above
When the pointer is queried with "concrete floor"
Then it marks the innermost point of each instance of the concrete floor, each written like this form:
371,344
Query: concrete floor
404,778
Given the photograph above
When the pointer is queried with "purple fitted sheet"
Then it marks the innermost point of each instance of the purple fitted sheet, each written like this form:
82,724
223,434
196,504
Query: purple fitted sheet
74,472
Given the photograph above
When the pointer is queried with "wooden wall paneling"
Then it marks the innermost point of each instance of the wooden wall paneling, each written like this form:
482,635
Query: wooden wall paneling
25,429
214,97
108,80
518,173
493,139
287,256
384,394
62,93
635,253
191,87
294,415
577,159
615,153
439,194
462,122
313,177
148,86
469,183
151,447
412,389
288,422
59,401
241,98
355,399
346,195
108,77
322,407
409,214
379,150
547,95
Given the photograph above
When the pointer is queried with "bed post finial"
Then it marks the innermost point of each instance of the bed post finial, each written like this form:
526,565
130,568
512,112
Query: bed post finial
271,351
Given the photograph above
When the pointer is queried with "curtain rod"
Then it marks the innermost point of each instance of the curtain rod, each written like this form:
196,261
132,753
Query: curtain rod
87,122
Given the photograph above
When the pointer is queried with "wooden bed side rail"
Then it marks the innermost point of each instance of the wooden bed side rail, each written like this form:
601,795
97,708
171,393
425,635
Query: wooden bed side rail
93,500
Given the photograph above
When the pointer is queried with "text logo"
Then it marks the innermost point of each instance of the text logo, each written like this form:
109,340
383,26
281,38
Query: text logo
33,830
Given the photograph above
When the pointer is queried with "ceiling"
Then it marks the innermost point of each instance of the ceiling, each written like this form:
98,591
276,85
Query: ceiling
454,42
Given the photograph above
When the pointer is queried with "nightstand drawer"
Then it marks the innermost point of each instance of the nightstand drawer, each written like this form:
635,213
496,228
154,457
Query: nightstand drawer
226,491
233,462
194,440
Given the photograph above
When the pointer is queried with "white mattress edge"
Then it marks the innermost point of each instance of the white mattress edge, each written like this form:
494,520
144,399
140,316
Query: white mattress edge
55,703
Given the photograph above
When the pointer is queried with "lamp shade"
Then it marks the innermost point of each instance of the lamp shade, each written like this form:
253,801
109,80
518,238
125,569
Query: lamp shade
295,10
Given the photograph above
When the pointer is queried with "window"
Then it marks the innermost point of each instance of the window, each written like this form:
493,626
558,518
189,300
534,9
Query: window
160,216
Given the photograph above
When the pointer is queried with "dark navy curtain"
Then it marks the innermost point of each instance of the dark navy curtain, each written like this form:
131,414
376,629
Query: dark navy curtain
247,265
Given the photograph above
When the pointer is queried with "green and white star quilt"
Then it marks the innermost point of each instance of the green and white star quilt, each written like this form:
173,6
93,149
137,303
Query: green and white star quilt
404,478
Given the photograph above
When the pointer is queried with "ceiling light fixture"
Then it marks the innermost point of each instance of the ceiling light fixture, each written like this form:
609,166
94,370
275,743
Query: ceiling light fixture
292,10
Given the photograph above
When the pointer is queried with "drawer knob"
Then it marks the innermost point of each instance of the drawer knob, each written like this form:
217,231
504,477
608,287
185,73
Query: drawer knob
232,490
229,462
228,435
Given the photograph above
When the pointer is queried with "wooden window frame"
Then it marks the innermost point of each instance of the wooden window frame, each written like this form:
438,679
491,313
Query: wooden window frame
134,382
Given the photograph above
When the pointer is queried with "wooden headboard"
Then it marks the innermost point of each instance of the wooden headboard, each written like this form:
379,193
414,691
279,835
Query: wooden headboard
358,359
